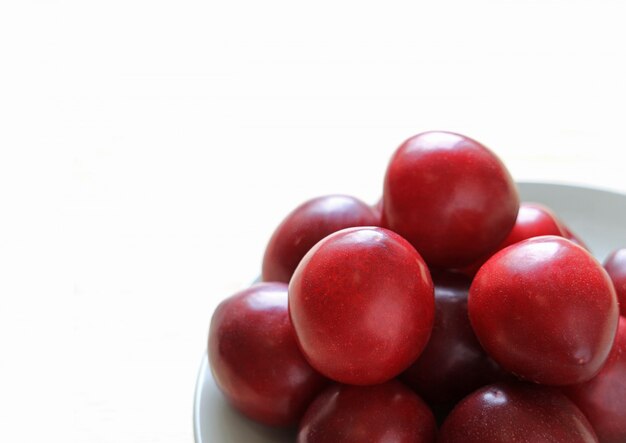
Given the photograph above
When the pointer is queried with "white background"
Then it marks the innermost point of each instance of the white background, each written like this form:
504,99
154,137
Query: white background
148,149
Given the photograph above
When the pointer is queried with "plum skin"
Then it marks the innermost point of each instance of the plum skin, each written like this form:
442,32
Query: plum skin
615,265
603,398
306,225
507,412
545,310
362,305
255,360
453,364
388,412
450,197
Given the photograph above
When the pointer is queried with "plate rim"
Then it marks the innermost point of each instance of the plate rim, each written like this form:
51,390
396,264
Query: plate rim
197,396
574,185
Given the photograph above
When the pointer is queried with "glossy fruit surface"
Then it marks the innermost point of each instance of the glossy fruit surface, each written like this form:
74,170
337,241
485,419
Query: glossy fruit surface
533,220
361,302
308,224
573,237
384,413
515,412
255,360
615,265
545,310
453,363
603,398
450,197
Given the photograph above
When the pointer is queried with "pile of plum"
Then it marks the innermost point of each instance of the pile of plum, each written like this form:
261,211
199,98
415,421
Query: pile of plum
449,312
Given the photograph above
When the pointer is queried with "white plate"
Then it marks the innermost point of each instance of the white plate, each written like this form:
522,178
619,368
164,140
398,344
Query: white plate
598,217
